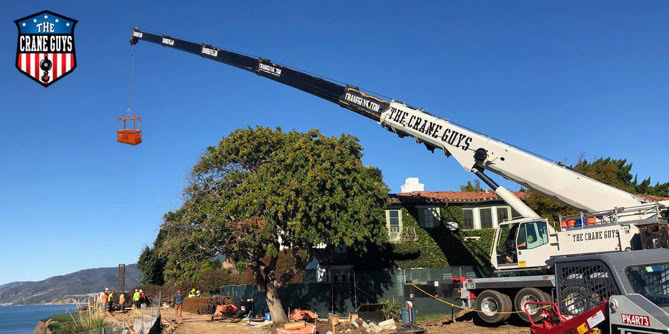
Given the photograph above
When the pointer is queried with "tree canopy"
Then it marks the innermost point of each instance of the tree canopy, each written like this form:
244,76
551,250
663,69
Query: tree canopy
262,189
471,186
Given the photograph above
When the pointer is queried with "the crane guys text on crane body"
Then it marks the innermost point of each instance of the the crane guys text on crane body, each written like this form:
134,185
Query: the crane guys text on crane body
596,235
428,125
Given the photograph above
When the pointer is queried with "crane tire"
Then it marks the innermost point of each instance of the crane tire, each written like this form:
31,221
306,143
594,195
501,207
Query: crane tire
510,308
529,295
492,306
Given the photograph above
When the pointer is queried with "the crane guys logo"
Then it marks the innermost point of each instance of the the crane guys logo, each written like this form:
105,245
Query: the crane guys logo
45,49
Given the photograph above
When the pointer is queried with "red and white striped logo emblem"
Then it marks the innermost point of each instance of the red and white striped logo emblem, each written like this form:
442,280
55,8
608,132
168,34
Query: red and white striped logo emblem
32,63
45,50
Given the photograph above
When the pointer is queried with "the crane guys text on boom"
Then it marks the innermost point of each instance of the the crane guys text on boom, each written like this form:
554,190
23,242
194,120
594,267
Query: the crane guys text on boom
423,124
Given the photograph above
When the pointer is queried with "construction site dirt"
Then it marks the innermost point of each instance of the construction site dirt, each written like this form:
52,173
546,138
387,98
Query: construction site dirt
195,323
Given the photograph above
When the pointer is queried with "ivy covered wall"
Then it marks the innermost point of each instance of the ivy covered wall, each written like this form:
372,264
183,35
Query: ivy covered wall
438,247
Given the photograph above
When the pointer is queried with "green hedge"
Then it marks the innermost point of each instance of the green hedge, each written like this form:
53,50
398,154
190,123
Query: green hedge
438,247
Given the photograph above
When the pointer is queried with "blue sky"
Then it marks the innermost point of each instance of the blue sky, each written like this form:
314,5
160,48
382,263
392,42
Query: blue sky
557,78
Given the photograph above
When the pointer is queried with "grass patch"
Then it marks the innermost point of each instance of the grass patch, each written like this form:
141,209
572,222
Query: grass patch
59,317
70,323
427,317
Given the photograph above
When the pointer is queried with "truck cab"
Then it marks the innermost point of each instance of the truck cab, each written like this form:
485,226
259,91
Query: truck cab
530,242
522,243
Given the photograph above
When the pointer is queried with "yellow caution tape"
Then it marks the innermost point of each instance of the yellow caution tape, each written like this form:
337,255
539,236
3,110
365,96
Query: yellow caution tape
468,308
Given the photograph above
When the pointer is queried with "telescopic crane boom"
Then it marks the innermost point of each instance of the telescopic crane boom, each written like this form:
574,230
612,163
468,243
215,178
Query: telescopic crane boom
617,216
474,151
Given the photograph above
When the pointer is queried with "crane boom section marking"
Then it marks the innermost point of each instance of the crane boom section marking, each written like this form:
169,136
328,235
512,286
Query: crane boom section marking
425,126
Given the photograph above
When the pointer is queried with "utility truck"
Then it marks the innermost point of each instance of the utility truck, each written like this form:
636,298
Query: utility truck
611,219
609,293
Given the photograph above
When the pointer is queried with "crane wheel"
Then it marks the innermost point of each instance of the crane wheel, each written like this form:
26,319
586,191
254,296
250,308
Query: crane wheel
507,302
493,306
529,295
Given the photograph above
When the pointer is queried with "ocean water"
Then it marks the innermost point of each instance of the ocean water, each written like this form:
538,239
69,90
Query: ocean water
23,319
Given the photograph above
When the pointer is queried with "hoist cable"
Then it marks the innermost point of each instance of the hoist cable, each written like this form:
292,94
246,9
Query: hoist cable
131,79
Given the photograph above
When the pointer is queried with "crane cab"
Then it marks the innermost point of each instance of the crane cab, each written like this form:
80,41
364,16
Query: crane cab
523,243
129,130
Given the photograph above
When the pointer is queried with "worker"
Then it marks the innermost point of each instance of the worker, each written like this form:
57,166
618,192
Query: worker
110,301
103,300
178,303
135,298
197,293
191,294
522,237
142,298
121,302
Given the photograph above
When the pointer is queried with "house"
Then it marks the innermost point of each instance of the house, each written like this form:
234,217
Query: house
331,265
480,209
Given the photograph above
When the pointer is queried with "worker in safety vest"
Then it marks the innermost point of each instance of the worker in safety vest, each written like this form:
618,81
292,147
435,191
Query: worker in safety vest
191,293
121,302
103,300
135,298
110,301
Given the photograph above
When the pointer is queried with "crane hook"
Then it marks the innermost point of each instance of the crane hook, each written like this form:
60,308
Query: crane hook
45,64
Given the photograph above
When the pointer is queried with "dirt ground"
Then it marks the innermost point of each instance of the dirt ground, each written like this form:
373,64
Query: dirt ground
193,323
468,323
201,324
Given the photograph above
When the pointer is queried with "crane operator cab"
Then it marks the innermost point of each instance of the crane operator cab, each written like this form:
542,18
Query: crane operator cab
521,243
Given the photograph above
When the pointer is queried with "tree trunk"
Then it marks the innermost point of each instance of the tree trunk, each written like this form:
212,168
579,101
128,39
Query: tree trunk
274,304
266,280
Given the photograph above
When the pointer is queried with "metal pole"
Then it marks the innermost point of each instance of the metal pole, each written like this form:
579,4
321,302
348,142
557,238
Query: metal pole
355,293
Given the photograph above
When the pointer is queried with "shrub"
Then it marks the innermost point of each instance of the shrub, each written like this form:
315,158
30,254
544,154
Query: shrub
391,309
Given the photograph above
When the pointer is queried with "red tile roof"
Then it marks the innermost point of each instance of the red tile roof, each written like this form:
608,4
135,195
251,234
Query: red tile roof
449,196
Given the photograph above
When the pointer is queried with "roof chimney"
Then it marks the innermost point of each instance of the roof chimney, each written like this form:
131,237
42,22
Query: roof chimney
412,184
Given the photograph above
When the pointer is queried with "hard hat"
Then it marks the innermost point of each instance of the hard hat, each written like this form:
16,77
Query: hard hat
106,289
193,289
140,290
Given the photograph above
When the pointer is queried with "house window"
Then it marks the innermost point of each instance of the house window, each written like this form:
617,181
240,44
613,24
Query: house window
428,217
340,275
515,214
468,219
486,217
502,214
394,224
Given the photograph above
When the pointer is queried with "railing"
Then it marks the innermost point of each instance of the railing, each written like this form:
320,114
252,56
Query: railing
644,213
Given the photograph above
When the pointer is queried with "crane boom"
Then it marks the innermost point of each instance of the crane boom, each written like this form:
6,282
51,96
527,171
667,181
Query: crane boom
474,151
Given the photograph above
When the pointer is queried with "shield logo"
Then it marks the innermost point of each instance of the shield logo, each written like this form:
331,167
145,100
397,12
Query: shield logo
45,50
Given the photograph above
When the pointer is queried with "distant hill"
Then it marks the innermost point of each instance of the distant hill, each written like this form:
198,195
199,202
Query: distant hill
66,288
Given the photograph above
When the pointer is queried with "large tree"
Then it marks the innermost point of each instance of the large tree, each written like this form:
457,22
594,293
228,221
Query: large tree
261,189
151,263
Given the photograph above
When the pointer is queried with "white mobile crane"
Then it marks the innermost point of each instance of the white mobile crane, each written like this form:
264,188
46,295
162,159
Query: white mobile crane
613,217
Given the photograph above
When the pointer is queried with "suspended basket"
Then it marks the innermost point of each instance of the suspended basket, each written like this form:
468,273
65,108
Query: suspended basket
129,130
